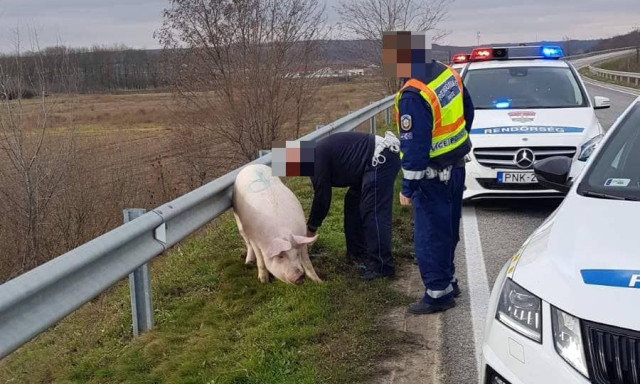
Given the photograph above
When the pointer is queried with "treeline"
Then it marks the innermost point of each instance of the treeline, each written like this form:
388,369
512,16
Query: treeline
631,39
95,70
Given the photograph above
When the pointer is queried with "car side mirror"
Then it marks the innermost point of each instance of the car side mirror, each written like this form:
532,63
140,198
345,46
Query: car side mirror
553,173
601,102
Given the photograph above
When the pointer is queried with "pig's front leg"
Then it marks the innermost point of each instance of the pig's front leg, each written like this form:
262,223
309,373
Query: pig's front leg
251,257
263,273
308,267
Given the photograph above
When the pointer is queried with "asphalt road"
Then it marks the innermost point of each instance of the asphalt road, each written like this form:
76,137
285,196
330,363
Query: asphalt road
501,230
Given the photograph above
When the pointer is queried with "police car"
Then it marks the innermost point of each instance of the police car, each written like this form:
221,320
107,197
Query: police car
566,308
530,105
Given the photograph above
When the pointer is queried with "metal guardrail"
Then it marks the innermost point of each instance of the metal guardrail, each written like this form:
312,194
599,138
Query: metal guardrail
34,301
631,77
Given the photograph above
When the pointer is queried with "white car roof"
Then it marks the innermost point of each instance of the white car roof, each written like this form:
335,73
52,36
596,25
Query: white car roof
517,63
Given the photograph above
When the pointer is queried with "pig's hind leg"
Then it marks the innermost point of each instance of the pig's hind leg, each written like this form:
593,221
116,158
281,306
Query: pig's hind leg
308,267
251,256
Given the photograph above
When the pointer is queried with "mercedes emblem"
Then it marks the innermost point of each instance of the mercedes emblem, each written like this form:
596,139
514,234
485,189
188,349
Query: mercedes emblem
524,158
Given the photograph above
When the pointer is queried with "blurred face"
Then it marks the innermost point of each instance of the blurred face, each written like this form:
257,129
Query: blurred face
405,53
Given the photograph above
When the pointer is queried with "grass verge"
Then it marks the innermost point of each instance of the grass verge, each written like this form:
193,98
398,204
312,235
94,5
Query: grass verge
216,324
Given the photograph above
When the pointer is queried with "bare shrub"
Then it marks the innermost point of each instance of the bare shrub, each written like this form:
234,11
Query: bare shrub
33,167
241,75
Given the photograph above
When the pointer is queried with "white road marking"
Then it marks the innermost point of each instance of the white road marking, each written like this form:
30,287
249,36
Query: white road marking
477,281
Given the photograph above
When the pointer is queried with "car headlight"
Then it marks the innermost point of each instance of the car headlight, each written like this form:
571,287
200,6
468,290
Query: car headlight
520,310
587,148
567,338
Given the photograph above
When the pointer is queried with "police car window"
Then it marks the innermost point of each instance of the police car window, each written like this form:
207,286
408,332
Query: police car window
615,173
524,87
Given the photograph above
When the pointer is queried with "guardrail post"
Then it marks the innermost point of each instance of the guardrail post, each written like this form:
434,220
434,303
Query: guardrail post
387,116
372,124
140,288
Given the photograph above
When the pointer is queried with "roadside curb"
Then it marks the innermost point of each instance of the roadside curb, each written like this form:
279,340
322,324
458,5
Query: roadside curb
420,359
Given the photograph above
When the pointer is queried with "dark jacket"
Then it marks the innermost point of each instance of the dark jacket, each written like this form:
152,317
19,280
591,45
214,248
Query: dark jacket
340,161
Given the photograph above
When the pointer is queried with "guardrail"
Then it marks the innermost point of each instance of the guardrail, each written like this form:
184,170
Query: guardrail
630,77
32,302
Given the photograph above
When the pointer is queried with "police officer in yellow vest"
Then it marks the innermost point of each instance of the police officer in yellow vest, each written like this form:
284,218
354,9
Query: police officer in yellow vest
434,113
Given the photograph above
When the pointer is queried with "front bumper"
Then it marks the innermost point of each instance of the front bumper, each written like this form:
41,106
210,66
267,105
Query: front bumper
481,183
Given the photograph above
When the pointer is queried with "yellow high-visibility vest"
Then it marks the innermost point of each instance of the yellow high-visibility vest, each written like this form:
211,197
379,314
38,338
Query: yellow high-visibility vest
444,96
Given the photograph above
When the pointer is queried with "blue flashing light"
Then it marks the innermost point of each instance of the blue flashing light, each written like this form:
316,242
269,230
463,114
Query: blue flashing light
552,52
503,104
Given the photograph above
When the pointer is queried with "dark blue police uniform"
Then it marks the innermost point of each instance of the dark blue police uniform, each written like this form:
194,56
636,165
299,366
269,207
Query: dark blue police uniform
345,160
437,205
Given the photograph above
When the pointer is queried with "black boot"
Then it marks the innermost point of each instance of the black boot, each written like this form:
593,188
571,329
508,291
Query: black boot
370,274
422,308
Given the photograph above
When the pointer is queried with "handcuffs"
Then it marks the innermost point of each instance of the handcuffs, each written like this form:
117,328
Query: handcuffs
391,142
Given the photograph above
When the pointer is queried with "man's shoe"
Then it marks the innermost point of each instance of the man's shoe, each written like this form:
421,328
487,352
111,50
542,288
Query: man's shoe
422,308
372,275
456,290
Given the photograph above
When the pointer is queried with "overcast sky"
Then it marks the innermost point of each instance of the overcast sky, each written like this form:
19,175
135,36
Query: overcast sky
132,22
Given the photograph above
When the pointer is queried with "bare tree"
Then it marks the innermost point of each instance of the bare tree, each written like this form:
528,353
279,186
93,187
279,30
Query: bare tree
239,67
32,162
368,19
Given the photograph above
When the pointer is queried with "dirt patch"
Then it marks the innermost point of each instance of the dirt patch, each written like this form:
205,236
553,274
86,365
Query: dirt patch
419,359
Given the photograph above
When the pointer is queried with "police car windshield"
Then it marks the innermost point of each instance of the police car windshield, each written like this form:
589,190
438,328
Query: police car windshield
524,88
615,173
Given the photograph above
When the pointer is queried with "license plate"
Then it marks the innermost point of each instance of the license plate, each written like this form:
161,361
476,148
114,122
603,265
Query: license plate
517,178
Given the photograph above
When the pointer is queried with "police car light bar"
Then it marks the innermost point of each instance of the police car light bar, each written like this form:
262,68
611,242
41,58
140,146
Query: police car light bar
481,54
531,52
460,58
551,52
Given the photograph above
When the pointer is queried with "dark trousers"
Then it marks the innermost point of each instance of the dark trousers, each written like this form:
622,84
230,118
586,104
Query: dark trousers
437,211
368,213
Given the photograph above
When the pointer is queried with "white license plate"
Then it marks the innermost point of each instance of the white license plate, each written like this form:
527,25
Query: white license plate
517,178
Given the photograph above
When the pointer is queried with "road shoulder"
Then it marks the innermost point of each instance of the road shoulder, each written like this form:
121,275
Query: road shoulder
419,360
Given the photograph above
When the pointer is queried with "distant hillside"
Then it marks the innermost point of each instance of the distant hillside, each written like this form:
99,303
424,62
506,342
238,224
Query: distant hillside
351,51
631,39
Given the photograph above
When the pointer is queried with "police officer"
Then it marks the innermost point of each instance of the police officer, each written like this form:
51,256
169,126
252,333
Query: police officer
368,166
434,113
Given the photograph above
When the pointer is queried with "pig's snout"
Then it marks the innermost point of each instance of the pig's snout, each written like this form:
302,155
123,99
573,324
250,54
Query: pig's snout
299,280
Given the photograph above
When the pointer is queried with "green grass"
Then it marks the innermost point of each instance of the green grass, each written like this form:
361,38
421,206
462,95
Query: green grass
625,64
216,324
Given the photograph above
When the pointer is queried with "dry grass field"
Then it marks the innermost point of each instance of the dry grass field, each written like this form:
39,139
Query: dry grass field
133,132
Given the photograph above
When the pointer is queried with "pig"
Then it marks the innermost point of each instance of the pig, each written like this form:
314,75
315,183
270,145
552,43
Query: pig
271,222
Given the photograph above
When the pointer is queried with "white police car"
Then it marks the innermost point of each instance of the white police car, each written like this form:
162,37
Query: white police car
529,105
566,308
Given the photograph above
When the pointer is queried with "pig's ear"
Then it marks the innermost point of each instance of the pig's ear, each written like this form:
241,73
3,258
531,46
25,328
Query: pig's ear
277,246
302,240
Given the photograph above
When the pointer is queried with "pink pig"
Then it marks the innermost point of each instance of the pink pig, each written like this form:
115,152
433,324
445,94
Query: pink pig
271,222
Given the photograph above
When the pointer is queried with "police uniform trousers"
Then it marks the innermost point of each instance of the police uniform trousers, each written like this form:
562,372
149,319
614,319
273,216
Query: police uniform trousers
437,209
368,213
